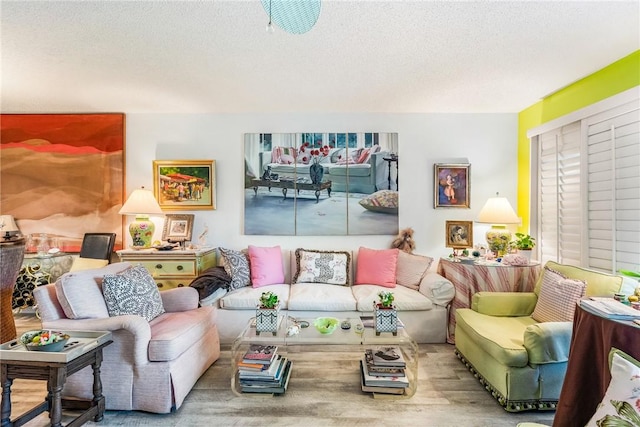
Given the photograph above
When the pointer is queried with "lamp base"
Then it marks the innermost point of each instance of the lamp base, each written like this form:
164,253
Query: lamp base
498,238
141,231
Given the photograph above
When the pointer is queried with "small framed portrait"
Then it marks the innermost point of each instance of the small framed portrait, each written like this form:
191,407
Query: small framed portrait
184,184
459,234
177,228
451,185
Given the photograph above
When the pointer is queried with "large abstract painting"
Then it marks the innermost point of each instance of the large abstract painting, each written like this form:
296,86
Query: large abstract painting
314,184
63,174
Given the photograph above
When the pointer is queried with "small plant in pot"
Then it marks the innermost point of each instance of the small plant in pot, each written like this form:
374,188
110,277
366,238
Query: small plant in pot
268,300
524,242
267,313
386,316
386,299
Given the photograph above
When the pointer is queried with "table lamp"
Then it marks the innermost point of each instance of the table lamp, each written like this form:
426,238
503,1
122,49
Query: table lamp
141,203
498,212
8,227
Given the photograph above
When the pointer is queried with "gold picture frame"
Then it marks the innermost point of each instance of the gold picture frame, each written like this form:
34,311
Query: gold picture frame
459,234
184,184
178,227
452,185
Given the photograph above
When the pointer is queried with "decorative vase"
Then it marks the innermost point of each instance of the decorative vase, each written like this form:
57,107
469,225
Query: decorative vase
267,319
316,172
498,238
386,319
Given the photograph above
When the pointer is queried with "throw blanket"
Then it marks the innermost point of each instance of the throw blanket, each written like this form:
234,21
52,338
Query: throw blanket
210,281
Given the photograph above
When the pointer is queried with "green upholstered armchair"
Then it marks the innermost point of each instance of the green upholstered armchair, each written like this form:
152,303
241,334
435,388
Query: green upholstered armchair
520,361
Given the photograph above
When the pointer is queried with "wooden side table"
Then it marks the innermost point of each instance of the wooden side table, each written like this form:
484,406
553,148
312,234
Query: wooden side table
16,362
471,278
171,269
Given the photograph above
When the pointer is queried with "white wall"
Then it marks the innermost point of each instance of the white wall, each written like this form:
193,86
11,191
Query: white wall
488,141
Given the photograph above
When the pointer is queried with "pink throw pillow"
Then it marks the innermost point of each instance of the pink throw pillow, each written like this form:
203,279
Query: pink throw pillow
377,267
266,266
286,159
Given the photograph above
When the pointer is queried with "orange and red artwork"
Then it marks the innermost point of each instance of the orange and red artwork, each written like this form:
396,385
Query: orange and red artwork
63,174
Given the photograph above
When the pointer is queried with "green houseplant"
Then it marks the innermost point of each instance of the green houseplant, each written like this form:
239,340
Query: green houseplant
386,299
268,300
524,242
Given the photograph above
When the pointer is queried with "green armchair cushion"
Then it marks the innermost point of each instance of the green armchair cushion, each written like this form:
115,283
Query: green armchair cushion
548,342
504,303
501,337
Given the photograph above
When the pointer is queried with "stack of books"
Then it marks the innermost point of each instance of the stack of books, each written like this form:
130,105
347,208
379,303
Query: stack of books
383,370
263,370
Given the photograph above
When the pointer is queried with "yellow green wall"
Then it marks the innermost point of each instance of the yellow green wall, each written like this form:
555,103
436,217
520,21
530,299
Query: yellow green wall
615,78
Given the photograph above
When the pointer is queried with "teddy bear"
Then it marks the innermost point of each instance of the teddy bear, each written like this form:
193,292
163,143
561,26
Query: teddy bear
404,241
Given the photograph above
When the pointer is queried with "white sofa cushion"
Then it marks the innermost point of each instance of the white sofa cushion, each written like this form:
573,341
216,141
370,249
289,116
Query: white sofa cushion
174,333
321,297
405,299
247,297
80,292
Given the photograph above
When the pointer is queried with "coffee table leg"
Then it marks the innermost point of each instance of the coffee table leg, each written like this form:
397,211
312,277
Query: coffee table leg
6,398
57,377
98,398
317,196
284,192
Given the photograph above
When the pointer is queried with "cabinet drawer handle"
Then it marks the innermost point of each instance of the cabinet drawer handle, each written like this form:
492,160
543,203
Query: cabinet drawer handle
180,268
158,266
180,285
160,285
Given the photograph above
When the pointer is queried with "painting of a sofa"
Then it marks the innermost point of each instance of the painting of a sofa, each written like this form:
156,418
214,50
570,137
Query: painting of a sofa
356,195
359,168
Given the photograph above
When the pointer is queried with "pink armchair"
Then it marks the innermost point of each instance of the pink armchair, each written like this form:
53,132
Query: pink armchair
150,366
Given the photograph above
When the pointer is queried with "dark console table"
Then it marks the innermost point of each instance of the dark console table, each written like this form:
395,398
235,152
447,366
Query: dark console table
588,376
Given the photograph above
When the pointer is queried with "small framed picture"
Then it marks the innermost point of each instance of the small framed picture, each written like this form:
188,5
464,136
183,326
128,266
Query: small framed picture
459,234
451,185
177,228
184,184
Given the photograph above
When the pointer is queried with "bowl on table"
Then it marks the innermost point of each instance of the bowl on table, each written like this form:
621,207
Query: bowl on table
326,325
43,340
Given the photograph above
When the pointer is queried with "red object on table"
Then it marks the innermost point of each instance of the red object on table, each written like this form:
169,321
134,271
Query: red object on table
588,375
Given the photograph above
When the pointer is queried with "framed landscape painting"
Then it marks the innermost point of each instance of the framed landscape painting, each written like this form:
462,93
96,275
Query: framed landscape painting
451,185
184,184
63,175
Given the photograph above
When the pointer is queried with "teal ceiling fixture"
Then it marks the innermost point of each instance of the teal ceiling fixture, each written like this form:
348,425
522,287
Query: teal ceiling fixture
293,16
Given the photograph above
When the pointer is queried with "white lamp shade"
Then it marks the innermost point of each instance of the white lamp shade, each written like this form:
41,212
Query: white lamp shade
498,210
8,224
141,202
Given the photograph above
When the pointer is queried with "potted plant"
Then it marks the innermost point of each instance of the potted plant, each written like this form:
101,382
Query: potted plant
385,313
267,313
524,243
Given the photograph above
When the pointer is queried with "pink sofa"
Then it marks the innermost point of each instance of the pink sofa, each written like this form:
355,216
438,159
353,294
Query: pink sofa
150,366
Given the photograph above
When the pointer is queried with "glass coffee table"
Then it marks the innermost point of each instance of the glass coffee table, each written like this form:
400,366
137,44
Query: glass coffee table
353,341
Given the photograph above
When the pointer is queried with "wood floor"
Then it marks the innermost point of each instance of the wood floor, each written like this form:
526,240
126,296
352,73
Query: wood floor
324,391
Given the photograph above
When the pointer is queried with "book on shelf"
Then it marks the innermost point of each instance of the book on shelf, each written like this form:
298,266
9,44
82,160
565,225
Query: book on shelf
258,353
277,387
369,322
390,356
376,381
609,308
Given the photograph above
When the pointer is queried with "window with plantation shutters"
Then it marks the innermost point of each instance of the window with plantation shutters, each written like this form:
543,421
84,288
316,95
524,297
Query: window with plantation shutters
613,170
559,197
586,186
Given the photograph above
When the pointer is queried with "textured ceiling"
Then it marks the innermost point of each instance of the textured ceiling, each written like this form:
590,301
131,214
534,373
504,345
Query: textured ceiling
361,56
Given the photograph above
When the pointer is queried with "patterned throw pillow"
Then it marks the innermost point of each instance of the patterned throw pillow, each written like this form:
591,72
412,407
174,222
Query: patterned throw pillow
411,269
385,201
132,291
322,267
621,403
236,265
558,297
